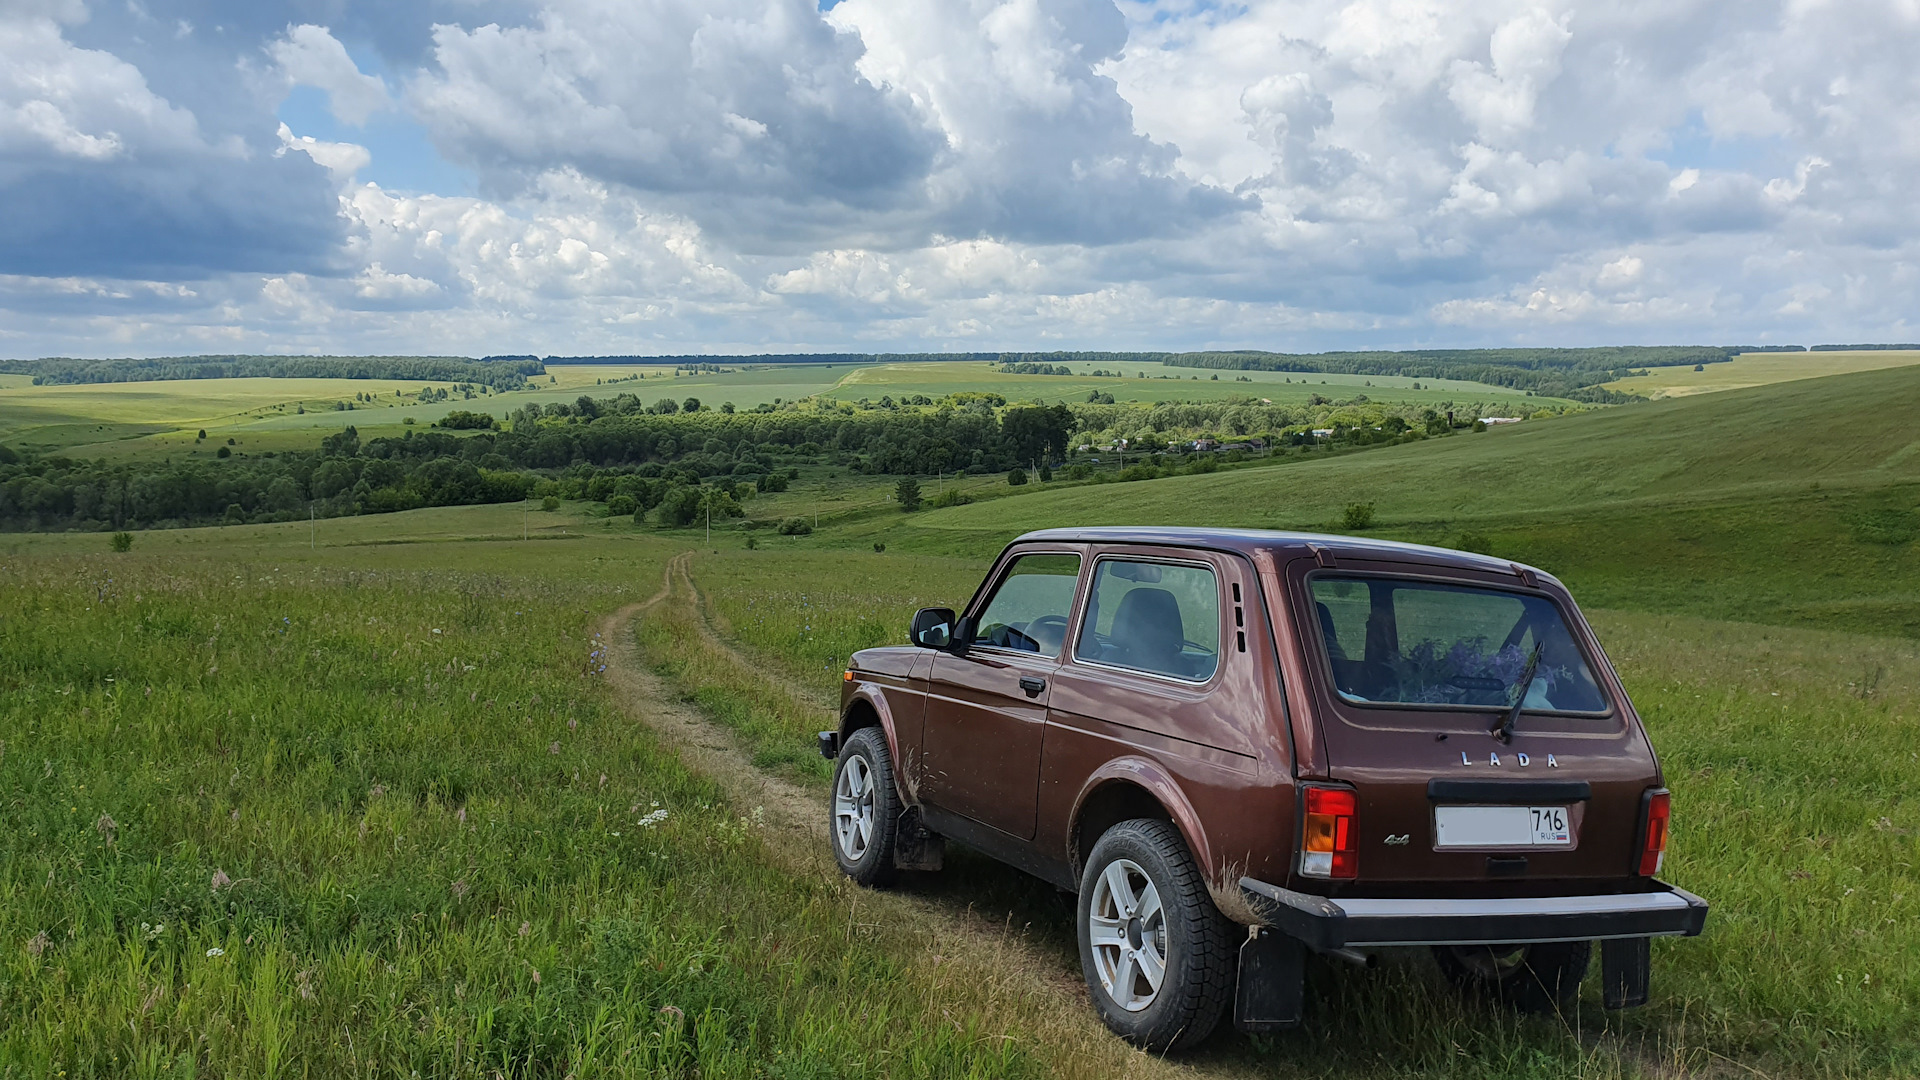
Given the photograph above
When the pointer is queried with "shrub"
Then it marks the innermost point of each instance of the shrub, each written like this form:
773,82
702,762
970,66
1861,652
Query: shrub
621,505
752,542
407,420
461,420
907,493
550,503
1479,425
772,482
1204,463
1016,477
1046,474
1891,527
952,496
1079,472
680,507
122,542
1478,543
878,548
1357,516
795,526
224,452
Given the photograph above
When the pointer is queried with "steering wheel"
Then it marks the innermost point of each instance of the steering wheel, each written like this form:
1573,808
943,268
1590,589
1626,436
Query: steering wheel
1048,628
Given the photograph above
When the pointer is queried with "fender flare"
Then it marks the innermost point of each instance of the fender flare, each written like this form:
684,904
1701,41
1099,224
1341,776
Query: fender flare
867,694
1157,782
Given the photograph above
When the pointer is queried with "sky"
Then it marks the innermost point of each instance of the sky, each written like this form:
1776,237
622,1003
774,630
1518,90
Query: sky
679,176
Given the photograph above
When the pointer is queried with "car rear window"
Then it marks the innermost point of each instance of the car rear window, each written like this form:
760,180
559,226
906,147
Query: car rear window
1419,643
1157,617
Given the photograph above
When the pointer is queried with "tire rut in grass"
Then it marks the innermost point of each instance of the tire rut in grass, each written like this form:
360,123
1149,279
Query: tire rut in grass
990,968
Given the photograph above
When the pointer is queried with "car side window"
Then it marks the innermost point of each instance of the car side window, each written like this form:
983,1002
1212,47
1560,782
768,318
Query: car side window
1029,610
1158,617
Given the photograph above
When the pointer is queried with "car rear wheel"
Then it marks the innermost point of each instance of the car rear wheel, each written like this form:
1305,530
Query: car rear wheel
1543,977
1156,953
865,814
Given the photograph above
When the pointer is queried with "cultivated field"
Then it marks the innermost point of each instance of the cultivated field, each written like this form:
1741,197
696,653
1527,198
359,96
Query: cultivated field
333,840
1759,369
1150,383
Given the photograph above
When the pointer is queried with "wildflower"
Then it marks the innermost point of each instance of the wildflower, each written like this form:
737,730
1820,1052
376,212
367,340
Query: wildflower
554,748
216,951
652,819
106,826
221,880
37,944
536,976
525,928
573,725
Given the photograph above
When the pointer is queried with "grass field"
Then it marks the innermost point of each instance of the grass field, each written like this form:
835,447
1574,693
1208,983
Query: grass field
1157,383
124,420
386,820
1759,369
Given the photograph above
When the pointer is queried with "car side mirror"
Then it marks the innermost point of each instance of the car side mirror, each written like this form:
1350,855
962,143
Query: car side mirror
932,628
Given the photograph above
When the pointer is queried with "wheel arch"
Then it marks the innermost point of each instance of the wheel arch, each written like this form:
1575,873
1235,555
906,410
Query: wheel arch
1127,788
866,708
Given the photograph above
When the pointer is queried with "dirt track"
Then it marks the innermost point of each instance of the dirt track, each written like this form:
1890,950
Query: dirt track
1020,984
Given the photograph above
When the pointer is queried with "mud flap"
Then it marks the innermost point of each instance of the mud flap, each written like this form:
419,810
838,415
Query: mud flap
916,847
1271,989
1626,967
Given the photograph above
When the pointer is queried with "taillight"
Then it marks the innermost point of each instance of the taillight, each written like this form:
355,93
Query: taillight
1653,848
1327,837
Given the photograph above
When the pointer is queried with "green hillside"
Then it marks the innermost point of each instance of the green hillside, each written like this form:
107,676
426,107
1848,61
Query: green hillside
1798,502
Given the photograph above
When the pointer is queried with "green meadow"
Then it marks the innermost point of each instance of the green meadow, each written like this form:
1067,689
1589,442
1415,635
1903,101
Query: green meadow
356,797
1759,369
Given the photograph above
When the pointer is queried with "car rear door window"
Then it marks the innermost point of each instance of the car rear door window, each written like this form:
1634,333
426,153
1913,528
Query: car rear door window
1421,643
1151,616
1028,612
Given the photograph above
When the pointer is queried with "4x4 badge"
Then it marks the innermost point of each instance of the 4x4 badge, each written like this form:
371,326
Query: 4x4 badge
1524,760
1401,839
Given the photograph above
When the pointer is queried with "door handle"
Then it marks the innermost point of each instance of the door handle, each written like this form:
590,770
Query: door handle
1032,684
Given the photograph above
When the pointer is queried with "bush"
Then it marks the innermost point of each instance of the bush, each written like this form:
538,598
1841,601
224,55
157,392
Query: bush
907,493
1478,543
879,548
407,420
772,482
1016,477
1079,472
680,507
794,526
550,503
1046,474
461,420
224,452
122,542
752,543
1891,527
952,496
1357,516
622,505
1204,463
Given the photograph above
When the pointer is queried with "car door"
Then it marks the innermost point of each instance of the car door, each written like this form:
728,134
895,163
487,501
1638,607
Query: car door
987,706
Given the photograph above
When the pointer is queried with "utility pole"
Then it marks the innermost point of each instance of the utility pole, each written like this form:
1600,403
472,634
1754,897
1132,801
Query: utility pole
709,502
313,539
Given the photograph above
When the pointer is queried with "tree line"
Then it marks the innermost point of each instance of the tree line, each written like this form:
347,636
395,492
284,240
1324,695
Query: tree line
503,373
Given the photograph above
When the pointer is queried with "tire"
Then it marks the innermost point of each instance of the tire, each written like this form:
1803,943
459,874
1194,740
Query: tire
1181,932
1543,977
863,815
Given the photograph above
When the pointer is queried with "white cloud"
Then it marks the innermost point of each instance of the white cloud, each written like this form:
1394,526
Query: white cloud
310,56
665,174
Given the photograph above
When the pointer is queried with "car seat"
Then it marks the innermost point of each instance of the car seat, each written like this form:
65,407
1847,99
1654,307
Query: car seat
1147,631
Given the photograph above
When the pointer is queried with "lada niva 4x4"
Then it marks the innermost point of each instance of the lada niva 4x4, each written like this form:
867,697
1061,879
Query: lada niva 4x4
1239,747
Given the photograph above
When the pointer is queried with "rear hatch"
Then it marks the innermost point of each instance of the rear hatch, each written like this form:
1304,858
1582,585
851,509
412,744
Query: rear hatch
1416,667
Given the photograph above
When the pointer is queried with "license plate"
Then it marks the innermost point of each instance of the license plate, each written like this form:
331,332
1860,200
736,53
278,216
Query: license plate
1502,826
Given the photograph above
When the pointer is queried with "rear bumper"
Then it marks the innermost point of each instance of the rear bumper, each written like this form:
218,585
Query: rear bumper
1324,924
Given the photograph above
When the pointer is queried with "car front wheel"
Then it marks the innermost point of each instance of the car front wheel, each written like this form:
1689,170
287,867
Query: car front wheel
865,814
1157,954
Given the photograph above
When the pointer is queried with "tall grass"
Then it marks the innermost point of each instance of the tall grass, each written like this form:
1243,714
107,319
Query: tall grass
329,822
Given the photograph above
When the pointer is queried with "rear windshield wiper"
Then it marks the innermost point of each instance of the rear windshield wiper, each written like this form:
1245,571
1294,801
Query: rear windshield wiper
1504,729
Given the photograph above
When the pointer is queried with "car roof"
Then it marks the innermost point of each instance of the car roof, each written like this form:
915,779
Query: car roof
1286,545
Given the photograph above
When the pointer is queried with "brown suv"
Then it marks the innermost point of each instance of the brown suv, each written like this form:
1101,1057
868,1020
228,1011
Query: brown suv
1339,743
